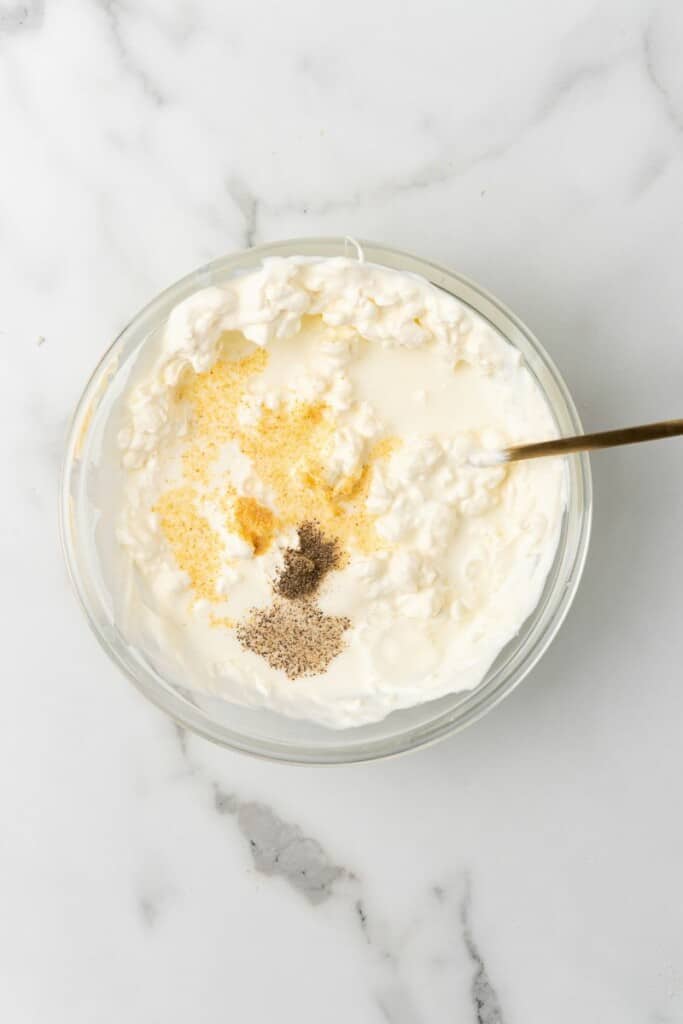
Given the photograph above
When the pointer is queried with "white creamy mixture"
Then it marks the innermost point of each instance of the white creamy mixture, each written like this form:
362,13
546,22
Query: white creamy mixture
376,386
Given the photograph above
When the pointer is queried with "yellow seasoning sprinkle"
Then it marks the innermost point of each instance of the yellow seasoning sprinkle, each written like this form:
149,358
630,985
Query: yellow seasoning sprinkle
195,545
288,449
255,523
222,620
214,397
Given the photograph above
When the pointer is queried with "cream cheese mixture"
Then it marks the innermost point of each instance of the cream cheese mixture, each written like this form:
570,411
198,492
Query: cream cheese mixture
306,530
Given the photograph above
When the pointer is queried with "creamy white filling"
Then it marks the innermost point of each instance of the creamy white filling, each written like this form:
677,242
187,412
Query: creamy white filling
468,547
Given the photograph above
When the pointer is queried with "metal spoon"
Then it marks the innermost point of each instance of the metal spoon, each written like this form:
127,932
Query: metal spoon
581,443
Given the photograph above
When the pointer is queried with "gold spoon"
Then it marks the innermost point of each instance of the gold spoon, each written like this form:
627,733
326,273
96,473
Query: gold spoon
580,443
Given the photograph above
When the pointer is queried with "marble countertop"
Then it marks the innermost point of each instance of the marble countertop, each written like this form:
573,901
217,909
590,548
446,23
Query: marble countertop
527,871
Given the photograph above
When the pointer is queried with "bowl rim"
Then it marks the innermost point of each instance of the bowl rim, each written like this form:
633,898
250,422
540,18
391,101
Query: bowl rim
184,713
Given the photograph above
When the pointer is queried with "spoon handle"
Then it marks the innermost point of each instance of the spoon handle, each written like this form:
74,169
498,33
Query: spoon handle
589,442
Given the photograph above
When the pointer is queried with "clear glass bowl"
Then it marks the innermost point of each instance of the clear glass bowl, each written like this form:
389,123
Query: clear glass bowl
257,732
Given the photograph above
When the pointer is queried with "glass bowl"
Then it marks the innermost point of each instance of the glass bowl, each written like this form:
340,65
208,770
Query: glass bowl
84,504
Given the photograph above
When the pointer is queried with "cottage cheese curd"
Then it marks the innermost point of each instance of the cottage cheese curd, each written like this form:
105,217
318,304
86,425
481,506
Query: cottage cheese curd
349,395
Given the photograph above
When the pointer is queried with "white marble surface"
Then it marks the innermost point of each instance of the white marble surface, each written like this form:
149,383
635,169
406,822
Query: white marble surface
527,871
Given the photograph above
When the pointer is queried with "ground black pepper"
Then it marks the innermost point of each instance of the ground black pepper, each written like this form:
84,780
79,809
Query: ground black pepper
306,566
293,636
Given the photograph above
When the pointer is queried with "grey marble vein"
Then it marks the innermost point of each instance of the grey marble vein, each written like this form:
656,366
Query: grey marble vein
15,17
149,911
649,174
114,11
181,736
656,78
279,848
176,23
484,997
248,205
362,918
153,899
576,77
452,164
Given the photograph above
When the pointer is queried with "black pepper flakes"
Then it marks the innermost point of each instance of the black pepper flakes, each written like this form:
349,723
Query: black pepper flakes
305,567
